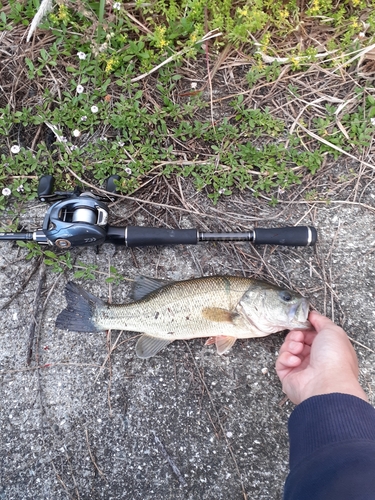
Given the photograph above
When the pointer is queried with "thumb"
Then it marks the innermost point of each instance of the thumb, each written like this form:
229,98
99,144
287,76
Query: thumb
334,344
320,322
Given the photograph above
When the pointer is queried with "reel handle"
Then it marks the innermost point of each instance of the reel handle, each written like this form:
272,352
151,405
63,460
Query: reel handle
47,183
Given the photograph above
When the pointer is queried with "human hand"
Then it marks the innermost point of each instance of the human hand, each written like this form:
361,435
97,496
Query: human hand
318,361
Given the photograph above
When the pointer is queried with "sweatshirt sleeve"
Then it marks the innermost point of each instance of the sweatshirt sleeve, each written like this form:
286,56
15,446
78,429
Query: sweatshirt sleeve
332,449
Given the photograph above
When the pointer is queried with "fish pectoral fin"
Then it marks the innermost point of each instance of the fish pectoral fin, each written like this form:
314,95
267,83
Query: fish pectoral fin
143,286
148,346
218,314
224,343
210,341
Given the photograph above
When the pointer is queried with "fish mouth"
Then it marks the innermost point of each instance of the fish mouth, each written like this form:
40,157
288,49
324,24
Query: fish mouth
298,314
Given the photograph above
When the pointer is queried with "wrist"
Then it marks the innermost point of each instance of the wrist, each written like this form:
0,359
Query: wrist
348,385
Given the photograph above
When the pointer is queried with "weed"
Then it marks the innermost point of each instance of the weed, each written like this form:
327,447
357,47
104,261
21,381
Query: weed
59,263
82,83
262,72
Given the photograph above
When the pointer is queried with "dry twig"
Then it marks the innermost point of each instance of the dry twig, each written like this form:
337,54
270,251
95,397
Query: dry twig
92,456
36,312
171,462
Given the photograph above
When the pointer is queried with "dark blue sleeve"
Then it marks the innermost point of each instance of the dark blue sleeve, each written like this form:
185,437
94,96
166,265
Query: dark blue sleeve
332,449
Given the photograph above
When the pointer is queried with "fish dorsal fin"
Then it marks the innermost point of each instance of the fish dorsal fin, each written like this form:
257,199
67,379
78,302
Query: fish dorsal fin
143,286
223,343
218,314
148,346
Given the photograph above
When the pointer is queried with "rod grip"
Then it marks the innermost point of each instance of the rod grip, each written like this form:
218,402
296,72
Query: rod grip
138,236
287,236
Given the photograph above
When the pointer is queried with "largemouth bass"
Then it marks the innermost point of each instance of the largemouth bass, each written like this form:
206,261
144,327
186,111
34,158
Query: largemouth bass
223,308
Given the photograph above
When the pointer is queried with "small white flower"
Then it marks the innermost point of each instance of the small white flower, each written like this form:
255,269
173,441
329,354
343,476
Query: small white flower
94,109
63,139
15,149
6,192
81,55
20,188
121,144
76,133
372,121
79,89
193,85
128,170
83,118
73,147
221,190
104,139
117,5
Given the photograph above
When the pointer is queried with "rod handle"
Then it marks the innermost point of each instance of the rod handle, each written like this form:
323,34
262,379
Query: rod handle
287,236
138,236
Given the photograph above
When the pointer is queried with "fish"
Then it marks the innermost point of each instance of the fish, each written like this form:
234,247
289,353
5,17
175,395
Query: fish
223,308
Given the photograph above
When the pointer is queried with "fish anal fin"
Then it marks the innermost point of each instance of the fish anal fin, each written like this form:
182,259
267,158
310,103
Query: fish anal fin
148,346
224,343
143,286
217,314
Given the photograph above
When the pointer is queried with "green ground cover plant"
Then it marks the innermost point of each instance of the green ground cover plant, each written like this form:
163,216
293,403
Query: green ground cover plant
107,88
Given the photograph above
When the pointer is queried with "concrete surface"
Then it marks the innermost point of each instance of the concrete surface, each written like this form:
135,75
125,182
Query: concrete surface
88,420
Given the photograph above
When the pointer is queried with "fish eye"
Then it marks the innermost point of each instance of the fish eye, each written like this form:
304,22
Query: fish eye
285,295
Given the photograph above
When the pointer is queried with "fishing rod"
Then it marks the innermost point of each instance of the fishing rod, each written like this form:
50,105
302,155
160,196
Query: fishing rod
81,219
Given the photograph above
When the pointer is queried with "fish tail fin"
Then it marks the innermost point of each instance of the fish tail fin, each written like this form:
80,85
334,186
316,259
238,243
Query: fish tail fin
79,313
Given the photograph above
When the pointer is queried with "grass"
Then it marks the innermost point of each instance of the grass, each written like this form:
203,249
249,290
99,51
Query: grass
83,97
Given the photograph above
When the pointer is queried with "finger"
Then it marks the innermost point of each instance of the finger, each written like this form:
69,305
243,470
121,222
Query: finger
301,337
319,321
286,346
305,351
293,348
310,337
296,335
287,360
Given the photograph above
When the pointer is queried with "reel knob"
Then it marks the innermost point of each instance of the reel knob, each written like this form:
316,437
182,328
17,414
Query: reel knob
45,187
109,184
